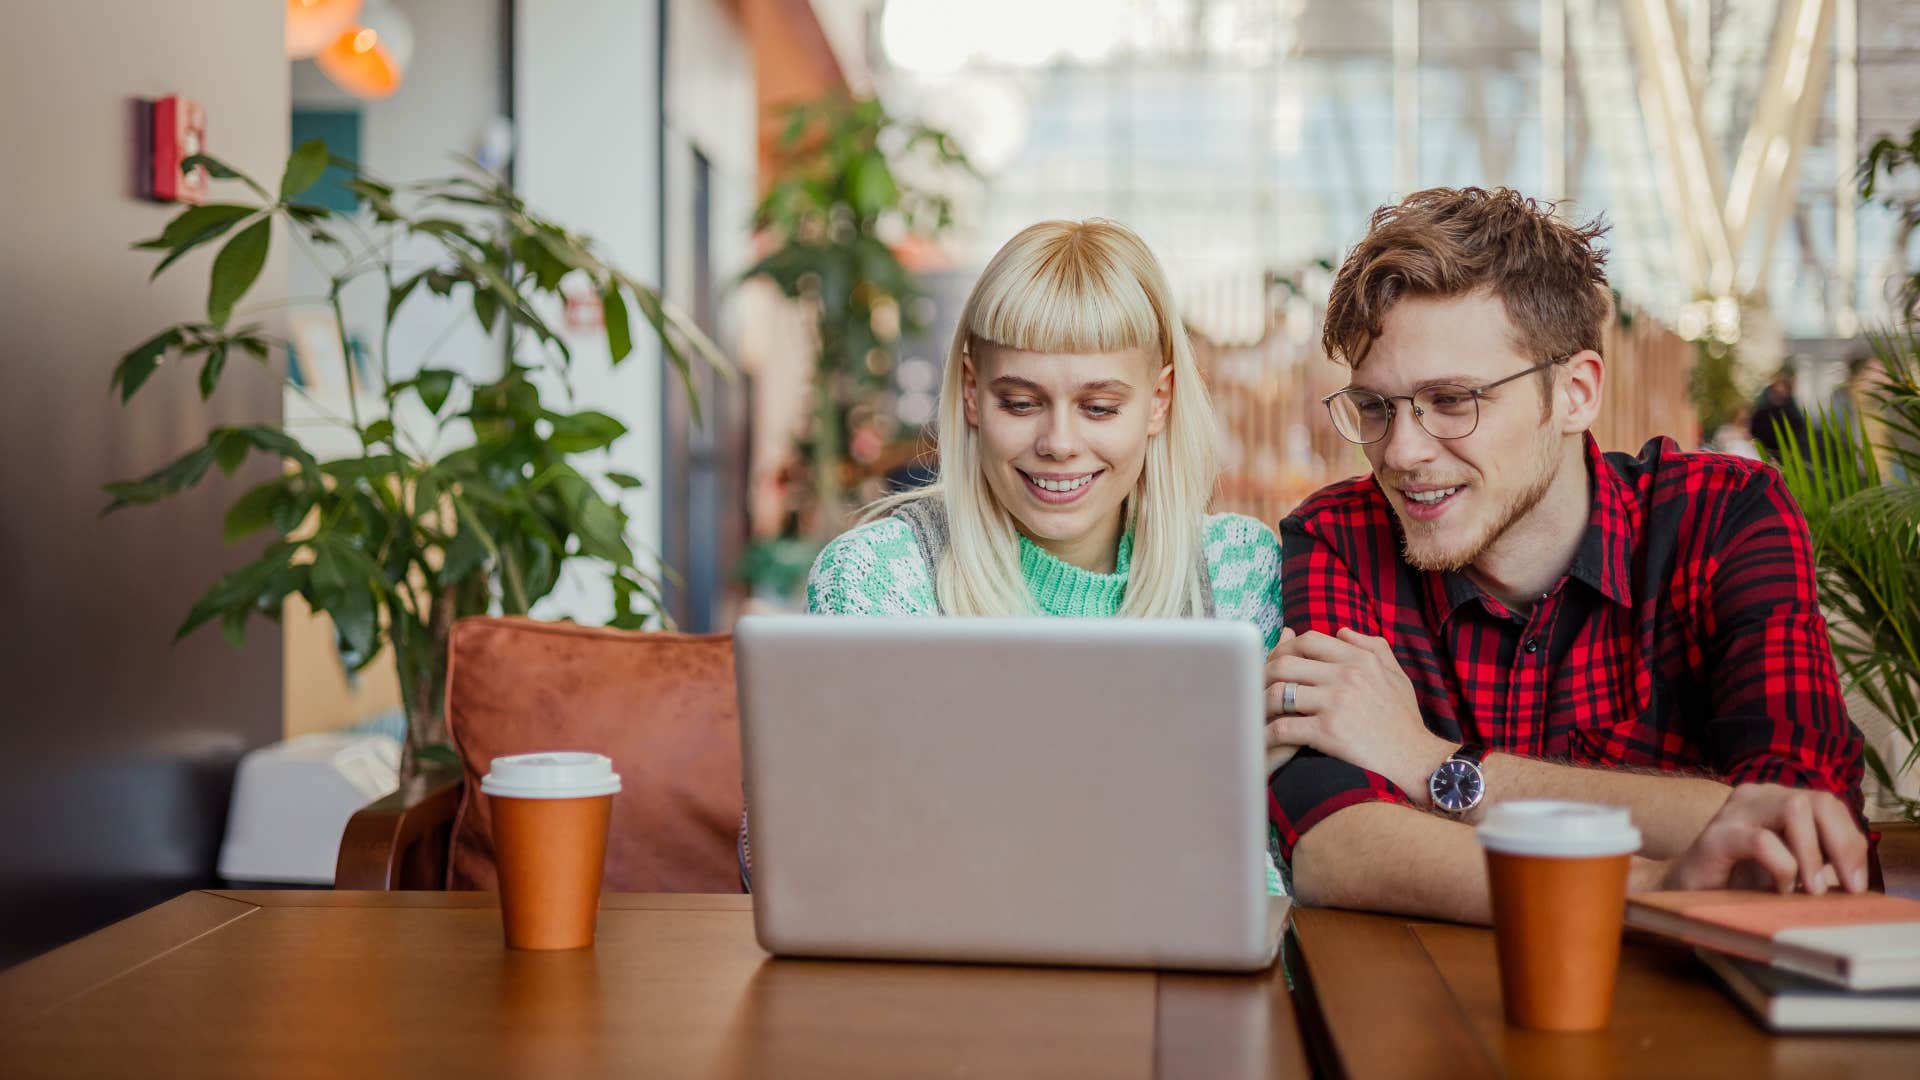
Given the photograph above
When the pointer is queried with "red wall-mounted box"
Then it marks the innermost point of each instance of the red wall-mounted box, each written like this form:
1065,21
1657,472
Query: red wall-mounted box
176,130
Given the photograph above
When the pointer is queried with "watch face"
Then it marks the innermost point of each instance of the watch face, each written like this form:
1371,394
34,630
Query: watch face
1456,786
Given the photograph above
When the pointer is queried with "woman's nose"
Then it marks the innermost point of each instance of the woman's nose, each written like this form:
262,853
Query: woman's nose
1059,436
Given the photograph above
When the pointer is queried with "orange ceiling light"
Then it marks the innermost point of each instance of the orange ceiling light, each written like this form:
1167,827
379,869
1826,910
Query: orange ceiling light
369,59
312,25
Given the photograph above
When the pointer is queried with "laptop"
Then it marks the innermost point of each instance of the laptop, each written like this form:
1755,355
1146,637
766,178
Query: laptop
1044,791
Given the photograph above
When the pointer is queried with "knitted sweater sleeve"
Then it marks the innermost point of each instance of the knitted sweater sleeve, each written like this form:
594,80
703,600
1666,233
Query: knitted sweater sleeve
1243,559
875,569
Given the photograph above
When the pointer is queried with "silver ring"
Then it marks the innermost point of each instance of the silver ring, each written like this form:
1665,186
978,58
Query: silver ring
1286,699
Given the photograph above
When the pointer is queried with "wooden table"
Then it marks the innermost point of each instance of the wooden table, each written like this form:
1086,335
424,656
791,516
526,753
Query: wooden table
1382,996
349,984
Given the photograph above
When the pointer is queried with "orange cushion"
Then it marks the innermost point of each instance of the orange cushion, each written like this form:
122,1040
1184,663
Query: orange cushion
660,705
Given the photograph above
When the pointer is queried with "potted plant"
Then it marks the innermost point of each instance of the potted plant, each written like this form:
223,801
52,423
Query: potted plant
1858,482
476,508
853,182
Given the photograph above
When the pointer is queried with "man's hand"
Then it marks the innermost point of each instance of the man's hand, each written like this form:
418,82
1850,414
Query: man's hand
1351,701
1768,836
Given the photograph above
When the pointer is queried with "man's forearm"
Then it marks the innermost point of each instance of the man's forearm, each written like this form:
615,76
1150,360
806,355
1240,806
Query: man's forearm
1392,858
1669,810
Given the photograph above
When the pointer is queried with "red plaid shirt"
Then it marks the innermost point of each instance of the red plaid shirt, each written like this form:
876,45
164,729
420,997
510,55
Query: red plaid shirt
1685,635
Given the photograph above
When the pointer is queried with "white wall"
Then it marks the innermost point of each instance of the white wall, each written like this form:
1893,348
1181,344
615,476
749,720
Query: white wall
711,107
587,108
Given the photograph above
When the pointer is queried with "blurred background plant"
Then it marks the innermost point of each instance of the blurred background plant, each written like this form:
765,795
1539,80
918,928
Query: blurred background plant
1858,482
475,510
853,186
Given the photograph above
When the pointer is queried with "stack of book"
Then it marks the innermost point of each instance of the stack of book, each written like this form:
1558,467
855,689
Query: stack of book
1838,962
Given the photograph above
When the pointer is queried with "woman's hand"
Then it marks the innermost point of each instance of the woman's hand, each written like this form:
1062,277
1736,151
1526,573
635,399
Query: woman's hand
1351,701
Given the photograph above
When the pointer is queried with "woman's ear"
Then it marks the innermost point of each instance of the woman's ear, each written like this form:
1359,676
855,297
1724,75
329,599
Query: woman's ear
1162,401
969,388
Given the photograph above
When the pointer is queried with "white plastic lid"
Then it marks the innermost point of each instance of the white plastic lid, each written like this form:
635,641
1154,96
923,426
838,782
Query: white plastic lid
1558,829
555,775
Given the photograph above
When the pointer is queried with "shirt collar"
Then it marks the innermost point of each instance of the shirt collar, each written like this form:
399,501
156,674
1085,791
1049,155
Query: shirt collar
1603,560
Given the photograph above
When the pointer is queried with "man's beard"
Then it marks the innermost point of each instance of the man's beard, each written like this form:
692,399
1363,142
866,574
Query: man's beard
1423,553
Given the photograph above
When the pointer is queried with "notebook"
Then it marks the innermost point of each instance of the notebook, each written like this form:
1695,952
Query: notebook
1861,941
1783,1001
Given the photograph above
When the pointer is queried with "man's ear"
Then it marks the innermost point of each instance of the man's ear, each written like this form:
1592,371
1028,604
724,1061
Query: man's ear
1162,401
1586,373
969,388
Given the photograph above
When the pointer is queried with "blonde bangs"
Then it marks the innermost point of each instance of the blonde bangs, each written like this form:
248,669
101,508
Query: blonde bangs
1054,290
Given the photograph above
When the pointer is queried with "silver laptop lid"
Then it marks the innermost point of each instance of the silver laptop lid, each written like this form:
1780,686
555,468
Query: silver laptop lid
1026,790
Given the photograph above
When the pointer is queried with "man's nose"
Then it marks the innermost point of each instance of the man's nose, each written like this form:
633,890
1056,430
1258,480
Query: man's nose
1407,446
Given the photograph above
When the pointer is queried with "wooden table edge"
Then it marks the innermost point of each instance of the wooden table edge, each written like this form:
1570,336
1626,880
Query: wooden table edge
36,987
335,898
1330,1002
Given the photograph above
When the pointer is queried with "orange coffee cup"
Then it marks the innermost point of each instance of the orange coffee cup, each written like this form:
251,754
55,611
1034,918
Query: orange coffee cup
550,814
1558,876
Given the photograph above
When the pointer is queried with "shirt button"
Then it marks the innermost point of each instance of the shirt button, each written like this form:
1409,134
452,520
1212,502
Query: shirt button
1533,646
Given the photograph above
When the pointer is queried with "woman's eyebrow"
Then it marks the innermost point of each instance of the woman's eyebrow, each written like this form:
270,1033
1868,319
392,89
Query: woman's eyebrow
1017,384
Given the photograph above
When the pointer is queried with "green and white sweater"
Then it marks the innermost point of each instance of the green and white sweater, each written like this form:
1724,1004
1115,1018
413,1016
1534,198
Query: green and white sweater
879,569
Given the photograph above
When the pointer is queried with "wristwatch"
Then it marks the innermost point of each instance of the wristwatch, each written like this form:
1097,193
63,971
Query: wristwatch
1457,785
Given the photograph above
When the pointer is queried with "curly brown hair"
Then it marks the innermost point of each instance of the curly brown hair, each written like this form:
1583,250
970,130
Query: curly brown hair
1446,242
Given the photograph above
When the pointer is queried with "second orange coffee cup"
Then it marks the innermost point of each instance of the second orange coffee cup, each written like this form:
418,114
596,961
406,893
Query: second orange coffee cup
550,816
1558,876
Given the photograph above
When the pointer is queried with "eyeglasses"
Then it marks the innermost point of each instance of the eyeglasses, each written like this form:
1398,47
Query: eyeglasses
1444,411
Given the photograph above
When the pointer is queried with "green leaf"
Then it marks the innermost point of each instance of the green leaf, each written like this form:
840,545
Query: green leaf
259,585
364,468
192,228
600,530
230,449
466,553
583,431
233,627
434,385
304,167
136,366
439,754
378,431
874,189
400,292
357,624
426,494
486,308
210,371
625,480
279,442
220,170
253,511
619,334
176,476
331,574
236,268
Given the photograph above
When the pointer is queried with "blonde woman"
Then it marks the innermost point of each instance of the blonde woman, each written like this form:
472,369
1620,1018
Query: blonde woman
1077,459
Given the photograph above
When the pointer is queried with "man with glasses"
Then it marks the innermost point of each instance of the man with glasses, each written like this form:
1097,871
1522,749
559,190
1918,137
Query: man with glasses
1501,611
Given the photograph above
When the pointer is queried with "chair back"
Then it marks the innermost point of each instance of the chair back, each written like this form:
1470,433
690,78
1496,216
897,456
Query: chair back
661,705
